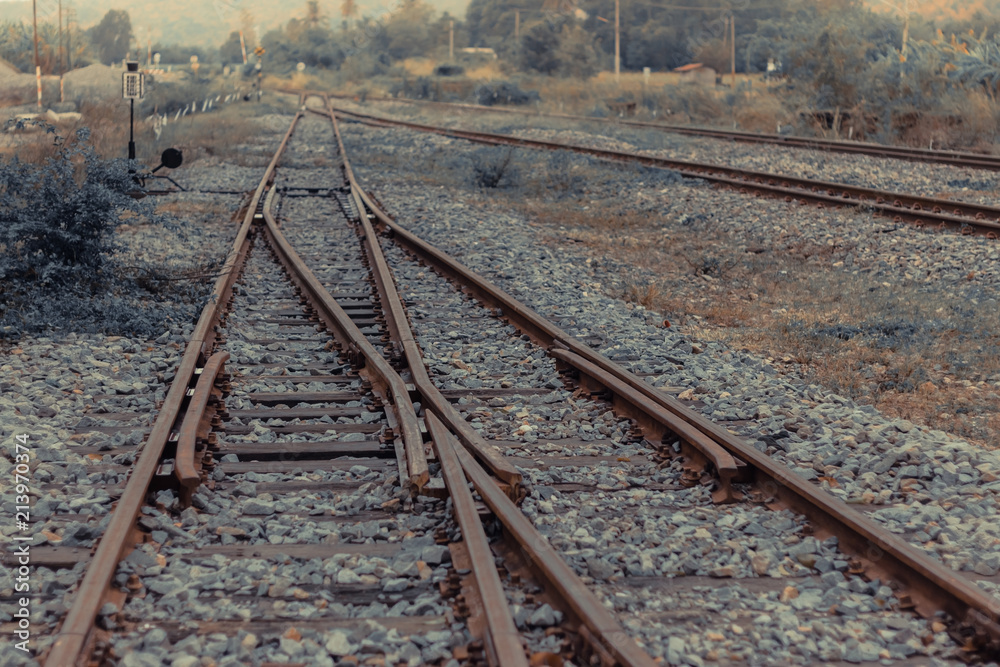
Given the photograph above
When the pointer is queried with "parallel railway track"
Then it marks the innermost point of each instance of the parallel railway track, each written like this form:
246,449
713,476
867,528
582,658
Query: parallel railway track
929,586
366,421
967,218
932,156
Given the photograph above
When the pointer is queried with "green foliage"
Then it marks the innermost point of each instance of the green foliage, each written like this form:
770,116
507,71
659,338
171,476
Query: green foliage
493,167
180,54
314,46
232,51
59,217
557,47
58,244
112,36
17,46
503,92
405,34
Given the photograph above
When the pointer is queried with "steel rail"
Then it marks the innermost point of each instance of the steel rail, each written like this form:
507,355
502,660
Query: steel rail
927,155
604,631
77,627
966,217
375,370
502,640
604,635
399,330
700,451
195,426
932,587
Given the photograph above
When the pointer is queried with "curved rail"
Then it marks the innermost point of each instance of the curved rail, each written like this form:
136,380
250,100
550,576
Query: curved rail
347,333
605,637
399,330
77,627
966,217
931,586
194,427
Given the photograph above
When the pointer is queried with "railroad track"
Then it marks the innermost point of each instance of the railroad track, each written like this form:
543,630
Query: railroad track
949,157
306,452
967,218
923,584
286,483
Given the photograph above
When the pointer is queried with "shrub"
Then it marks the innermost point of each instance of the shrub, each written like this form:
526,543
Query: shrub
493,167
60,216
503,92
169,98
449,70
58,243
422,88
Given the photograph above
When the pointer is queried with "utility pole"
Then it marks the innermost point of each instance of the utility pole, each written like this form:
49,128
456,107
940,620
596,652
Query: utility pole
451,41
62,92
517,24
38,66
906,31
732,38
618,57
69,39
60,41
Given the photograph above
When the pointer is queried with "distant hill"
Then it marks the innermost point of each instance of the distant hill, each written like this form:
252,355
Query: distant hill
197,22
942,9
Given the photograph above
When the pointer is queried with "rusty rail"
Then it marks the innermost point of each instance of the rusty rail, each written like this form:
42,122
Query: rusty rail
931,586
965,217
376,369
949,157
503,641
77,628
606,639
400,332
195,428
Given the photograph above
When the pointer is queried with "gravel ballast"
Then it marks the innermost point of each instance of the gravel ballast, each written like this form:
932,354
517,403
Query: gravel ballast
926,479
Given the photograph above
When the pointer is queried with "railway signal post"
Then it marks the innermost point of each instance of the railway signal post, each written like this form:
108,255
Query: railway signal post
259,52
133,87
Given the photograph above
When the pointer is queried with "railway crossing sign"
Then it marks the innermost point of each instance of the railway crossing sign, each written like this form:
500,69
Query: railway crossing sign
133,83
259,51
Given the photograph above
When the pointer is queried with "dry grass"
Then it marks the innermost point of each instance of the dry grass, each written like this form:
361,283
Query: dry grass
904,349
419,66
224,134
912,348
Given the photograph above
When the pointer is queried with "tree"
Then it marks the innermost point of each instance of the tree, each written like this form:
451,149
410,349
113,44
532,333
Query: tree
112,36
314,15
232,51
575,53
347,11
406,34
538,48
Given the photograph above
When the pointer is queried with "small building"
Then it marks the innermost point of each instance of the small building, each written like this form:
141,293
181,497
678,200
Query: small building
697,73
479,51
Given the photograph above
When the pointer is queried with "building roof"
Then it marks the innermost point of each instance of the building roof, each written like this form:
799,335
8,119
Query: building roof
690,67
